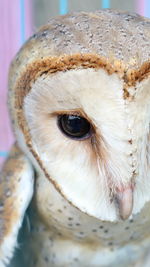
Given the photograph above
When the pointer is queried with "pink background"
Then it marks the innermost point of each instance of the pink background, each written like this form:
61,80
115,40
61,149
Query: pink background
13,31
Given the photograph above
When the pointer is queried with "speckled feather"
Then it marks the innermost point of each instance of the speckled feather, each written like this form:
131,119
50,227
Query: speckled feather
13,202
126,49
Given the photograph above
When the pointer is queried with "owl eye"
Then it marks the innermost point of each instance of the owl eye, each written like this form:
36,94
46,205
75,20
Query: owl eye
75,127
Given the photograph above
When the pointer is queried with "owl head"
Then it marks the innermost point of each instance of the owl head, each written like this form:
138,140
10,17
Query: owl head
79,96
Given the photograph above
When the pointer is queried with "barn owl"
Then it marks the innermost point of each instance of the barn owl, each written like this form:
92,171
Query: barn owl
75,189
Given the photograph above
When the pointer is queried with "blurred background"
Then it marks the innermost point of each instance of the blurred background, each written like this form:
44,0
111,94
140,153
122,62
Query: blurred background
20,18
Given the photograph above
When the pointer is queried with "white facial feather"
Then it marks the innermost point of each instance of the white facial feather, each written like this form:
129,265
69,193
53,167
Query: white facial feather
81,174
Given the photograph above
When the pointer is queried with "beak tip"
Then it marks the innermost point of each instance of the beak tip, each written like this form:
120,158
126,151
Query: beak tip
124,217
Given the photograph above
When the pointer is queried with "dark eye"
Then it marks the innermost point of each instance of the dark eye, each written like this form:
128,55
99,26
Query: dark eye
75,127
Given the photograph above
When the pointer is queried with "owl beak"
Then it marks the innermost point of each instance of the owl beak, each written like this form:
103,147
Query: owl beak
124,201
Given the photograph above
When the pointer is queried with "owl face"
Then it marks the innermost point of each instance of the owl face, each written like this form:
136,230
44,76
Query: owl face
90,140
81,108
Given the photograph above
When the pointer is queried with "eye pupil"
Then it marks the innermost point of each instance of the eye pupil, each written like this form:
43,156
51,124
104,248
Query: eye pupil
74,126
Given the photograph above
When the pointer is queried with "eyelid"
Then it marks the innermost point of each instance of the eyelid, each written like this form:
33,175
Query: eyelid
74,112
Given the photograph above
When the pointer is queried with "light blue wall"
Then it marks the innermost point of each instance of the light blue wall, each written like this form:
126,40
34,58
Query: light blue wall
44,9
